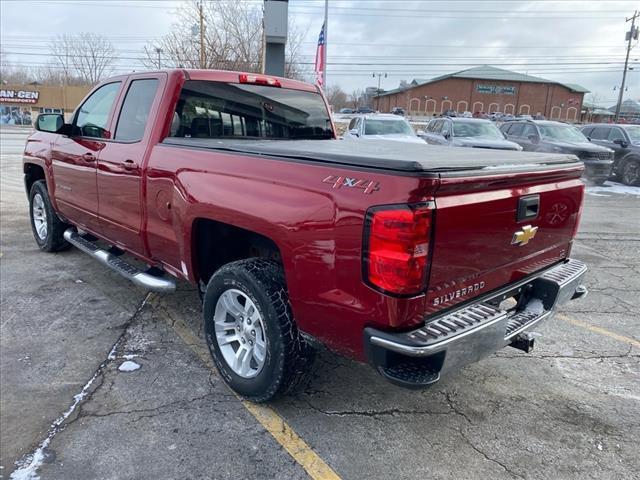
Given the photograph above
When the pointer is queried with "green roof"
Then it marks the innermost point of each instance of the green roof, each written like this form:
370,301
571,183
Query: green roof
487,72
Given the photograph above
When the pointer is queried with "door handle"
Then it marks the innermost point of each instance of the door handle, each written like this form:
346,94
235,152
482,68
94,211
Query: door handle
89,157
129,164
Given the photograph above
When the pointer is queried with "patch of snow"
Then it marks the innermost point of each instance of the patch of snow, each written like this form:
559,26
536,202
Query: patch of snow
27,468
130,356
612,188
599,446
128,366
79,281
173,446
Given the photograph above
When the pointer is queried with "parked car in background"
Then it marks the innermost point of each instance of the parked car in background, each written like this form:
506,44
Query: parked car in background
381,126
347,111
550,136
624,140
466,132
365,110
524,117
398,111
494,116
449,113
466,114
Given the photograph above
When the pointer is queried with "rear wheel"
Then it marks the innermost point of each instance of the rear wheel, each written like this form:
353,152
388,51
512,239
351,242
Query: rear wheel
46,225
631,172
250,330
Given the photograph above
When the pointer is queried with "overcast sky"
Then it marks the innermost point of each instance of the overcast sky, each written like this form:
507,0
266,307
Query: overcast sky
570,41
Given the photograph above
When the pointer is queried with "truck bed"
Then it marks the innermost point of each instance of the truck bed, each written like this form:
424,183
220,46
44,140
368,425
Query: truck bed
381,154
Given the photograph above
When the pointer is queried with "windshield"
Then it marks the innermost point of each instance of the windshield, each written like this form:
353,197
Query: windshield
476,129
634,133
209,109
565,133
387,127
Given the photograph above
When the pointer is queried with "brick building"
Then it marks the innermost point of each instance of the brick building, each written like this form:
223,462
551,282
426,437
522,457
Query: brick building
486,89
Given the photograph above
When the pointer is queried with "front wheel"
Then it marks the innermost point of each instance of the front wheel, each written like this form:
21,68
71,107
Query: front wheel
47,227
250,330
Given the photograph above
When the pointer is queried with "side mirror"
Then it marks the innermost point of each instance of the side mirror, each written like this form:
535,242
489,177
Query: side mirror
621,142
354,132
446,135
50,122
534,138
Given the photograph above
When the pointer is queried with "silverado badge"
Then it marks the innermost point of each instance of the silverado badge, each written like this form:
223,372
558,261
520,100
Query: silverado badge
522,237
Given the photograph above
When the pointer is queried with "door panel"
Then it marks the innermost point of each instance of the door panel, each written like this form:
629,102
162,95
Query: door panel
74,158
120,168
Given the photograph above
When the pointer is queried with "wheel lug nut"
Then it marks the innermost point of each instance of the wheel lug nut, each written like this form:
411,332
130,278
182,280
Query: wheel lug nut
248,321
243,340
251,342
253,332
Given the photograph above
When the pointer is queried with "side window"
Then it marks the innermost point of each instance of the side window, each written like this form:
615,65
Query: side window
446,127
437,126
528,130
587,131
93,115
615,134
135,110
352,124
600,133
516,129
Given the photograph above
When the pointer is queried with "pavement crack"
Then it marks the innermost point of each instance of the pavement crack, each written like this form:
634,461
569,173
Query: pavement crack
488,458
28,465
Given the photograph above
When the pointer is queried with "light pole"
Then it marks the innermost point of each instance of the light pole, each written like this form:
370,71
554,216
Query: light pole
632,34
379,75
159,51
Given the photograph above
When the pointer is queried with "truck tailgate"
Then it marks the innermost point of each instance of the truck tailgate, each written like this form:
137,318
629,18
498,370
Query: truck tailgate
482,242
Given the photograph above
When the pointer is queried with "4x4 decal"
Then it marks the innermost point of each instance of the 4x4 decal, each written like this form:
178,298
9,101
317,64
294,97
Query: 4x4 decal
368,186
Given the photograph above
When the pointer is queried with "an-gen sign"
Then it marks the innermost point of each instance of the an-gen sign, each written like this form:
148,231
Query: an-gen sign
19,96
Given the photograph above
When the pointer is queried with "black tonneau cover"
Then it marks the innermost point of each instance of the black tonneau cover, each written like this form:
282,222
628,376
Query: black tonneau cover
388,155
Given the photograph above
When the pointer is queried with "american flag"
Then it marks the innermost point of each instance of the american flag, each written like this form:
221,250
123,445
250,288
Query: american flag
319,68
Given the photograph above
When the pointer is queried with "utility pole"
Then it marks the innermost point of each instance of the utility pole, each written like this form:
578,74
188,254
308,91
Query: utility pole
326,44
379,75
201,34
159,51
631,35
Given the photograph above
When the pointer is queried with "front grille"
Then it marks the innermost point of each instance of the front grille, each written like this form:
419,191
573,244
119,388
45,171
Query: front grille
595,156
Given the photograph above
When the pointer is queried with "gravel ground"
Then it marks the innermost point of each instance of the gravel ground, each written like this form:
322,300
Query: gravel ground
569,410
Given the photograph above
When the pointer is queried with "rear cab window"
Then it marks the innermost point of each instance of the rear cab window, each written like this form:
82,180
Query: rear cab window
134,113
209,109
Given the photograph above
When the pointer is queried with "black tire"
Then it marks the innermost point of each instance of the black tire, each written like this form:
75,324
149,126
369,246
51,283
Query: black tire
599,181
288,357
630,174
52,240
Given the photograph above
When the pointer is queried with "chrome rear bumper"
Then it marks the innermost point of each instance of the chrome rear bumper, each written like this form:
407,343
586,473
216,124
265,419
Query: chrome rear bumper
470,333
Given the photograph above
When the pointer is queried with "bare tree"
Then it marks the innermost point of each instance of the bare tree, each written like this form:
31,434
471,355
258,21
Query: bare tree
88,57
356,98
233,39
336,97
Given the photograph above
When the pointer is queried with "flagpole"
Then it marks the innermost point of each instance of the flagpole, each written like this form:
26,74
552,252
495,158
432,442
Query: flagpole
326,46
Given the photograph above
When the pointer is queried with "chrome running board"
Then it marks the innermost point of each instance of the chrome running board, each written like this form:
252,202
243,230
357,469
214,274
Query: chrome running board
128,271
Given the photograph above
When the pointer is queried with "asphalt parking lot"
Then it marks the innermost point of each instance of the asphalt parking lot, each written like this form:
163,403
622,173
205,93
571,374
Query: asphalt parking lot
69,410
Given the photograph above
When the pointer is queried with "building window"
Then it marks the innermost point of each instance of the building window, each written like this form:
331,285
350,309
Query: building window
462,106
430,106
414,105
525,109
50,110
478,107
493,107
10,115
555,113
572,113
510,108
446,105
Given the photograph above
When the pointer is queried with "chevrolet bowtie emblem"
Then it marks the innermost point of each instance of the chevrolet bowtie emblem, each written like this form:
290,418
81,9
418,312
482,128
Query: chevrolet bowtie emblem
523,236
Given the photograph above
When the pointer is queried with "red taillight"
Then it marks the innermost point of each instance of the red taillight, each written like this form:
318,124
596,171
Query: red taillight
259,80
396,250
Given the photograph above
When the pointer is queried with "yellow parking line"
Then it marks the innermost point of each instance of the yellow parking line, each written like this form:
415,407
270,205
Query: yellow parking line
600,330
266,416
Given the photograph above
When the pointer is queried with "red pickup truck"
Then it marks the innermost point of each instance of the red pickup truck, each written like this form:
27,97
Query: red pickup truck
415,258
